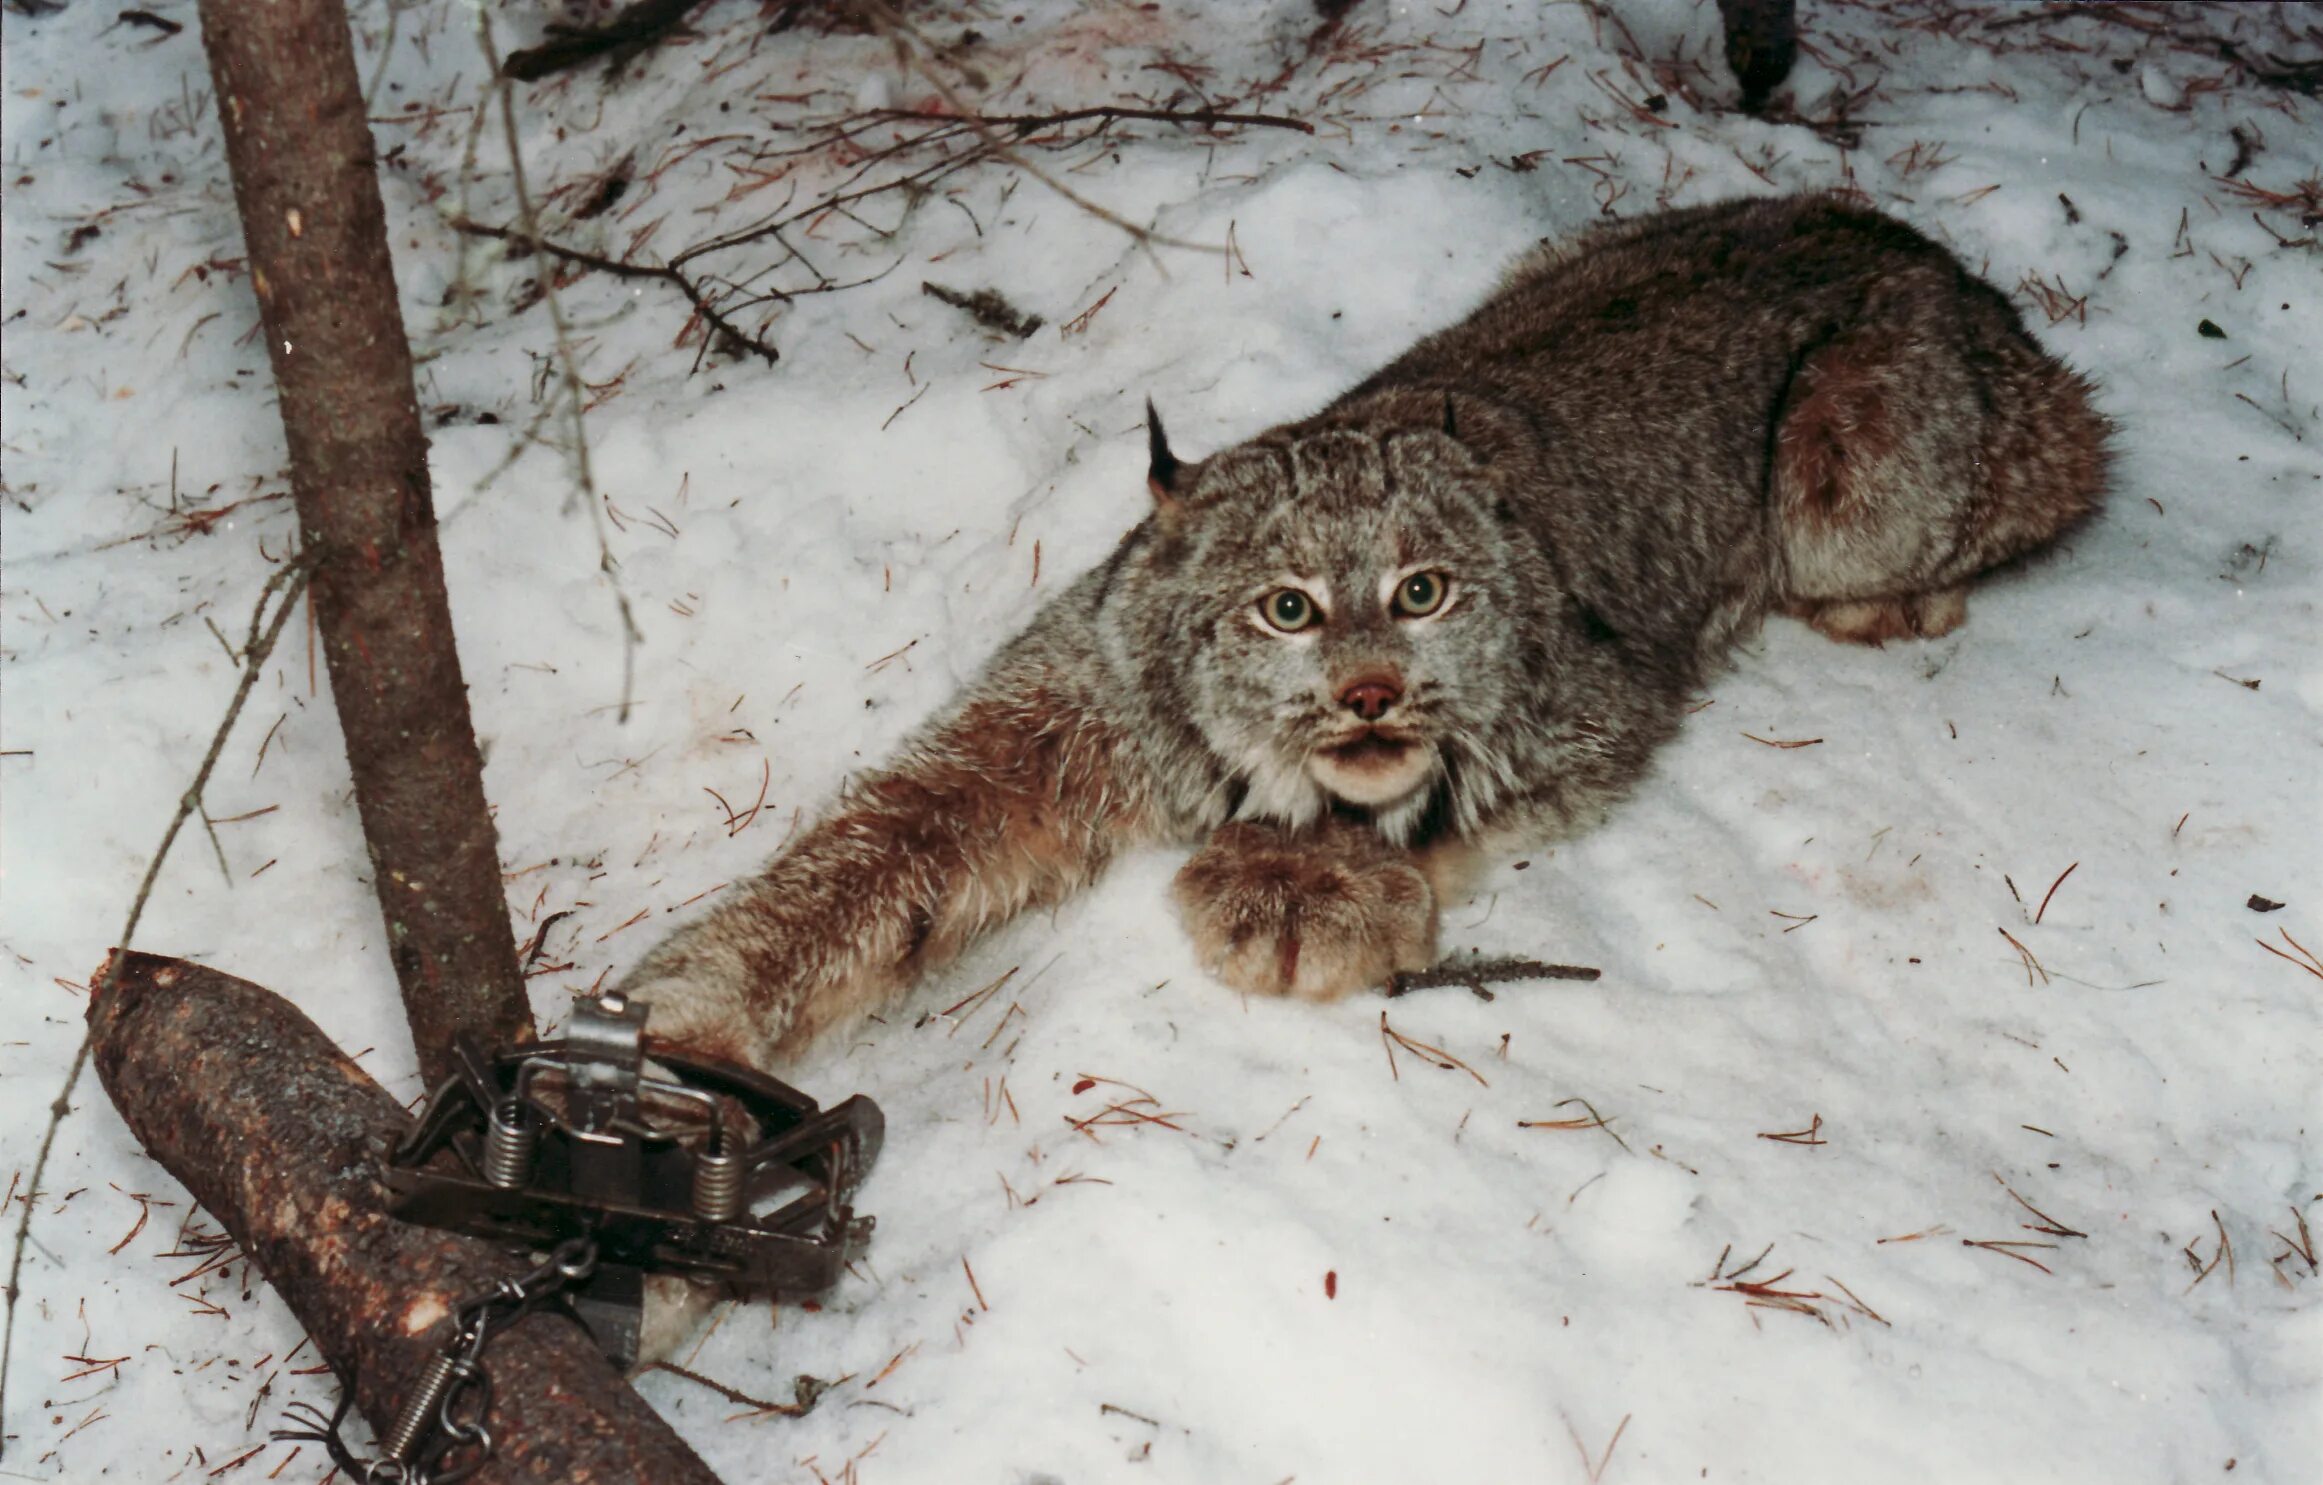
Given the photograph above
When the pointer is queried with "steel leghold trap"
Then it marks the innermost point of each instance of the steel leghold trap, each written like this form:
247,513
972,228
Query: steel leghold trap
679,1165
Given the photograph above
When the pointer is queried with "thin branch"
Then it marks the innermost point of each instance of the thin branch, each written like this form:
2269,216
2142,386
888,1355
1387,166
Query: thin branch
289,583
1477,973
576,399
911,49
720,323
1028,122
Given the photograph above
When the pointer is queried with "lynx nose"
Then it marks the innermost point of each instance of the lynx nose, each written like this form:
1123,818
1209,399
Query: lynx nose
1369,697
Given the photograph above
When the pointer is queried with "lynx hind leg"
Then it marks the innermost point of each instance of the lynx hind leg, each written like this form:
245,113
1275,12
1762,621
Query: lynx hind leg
1875,621
1911,456
1313,915
1864,471
2042,460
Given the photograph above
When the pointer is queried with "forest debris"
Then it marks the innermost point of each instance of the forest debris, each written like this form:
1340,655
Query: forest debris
161,23
1427,1052
1594,1120
2007,1248
2306,960
1475,974
631,30
1768,1294
987,308
1811,1135
2047,1226
2043,909
2032,965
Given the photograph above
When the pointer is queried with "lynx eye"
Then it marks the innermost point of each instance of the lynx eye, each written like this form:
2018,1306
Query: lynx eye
1421,594
1288,610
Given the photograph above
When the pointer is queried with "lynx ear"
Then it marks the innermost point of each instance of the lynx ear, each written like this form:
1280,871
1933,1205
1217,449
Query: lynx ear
1161,474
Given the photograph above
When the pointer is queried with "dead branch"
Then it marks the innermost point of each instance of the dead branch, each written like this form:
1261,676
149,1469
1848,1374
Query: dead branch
574,391
289,582
987,308
724,331
1031,123
912,51
1475,974
721,302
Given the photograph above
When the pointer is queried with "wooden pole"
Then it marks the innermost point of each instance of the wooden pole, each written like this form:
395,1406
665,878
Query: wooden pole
306,180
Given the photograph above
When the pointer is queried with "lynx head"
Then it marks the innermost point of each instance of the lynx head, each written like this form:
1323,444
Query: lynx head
1345,609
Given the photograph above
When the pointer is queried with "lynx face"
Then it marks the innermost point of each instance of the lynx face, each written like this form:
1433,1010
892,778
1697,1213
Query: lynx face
1351,640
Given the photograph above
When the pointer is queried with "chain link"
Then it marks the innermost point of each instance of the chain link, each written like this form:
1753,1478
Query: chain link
441,1435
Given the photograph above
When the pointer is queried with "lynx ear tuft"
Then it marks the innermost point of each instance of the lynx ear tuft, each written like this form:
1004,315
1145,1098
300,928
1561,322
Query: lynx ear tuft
1161,475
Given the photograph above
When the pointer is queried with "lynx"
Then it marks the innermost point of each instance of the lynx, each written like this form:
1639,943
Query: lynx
1452,614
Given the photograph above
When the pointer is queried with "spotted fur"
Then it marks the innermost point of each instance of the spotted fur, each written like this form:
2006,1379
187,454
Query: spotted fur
1642,443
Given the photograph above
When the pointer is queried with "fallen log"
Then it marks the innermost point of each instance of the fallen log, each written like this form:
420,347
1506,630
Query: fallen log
284,1139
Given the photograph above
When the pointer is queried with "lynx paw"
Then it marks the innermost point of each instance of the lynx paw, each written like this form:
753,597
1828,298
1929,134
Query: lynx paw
694,1004
1875,621
1312,916
675,1309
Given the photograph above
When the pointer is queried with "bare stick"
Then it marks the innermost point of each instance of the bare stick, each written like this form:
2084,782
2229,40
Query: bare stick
1477,973
1030,121
576,401
910,50
290,582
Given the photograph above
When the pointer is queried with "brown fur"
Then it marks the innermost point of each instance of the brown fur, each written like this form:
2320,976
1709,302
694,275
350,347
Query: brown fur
1013,805
2037,475
1647,439
1311,918
1832,435
1875,621
1869,479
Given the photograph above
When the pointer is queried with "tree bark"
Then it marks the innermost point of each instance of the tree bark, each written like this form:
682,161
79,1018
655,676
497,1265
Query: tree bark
284,1140
305,178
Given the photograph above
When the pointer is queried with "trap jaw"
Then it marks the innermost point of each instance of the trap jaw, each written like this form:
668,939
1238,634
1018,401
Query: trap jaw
692,1167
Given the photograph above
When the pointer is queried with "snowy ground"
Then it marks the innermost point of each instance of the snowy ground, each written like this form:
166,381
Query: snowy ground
1879,1015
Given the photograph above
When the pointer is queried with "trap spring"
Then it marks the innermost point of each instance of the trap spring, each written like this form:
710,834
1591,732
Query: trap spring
442,1433
679,1166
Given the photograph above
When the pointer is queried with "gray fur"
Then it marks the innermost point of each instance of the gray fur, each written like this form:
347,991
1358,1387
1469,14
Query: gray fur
1596,459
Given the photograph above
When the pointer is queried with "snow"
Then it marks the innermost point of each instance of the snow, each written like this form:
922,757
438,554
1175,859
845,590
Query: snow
1330,1264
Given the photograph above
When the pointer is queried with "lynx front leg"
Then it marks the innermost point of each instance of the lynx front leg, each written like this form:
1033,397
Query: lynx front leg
1014,802
1313,915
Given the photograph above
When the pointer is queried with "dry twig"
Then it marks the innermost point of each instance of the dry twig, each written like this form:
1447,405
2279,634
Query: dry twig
575,397
1475,974
285,586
